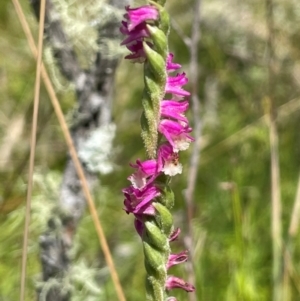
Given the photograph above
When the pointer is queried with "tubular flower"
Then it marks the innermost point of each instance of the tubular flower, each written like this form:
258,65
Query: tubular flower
170,65
176,134
137,52
139,202
174,235
135,28
177,258
174,109
175,282
136,16
136,35
165,132
175,83
145,173
168,160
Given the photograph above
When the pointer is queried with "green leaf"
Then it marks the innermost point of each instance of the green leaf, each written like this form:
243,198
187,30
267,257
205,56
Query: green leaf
156,236
164,218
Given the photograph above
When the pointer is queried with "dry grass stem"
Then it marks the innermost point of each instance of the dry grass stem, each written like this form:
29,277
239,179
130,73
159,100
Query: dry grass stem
32,147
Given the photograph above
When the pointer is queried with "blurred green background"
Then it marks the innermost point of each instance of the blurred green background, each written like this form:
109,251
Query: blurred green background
232,217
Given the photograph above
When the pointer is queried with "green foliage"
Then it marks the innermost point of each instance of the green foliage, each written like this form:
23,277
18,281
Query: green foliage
232,253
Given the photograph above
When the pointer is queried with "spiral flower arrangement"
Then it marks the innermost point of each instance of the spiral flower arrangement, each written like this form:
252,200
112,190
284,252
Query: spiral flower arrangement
165,132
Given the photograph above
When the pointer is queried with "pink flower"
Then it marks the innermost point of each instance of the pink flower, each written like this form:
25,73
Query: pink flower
174,85
146,172
168,160
177,258
170,65
135,28
176,134
175,282
174,235
140,202
137,54
136,16
138,34
174,109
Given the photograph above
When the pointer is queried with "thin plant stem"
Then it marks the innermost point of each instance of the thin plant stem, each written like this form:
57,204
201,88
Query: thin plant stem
276,223
77,164
238,226
179,31
195,156
32,147
194,77
276,213
292,273
289,249
294,223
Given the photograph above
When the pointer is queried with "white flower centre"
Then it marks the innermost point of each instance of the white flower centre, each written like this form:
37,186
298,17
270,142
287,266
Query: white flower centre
181,143
172,169
138,180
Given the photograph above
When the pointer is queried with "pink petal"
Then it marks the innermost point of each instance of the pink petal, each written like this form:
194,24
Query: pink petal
174,235
175,282
174,85
146,172
176,134
168,160
138,34
137,52
170,65
174,109
140,14
177,258
139,202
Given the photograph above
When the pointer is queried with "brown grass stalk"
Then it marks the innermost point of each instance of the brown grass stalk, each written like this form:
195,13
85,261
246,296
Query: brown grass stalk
78,167
32,147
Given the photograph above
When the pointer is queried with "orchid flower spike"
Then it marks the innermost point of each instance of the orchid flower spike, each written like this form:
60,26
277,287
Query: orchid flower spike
165,132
